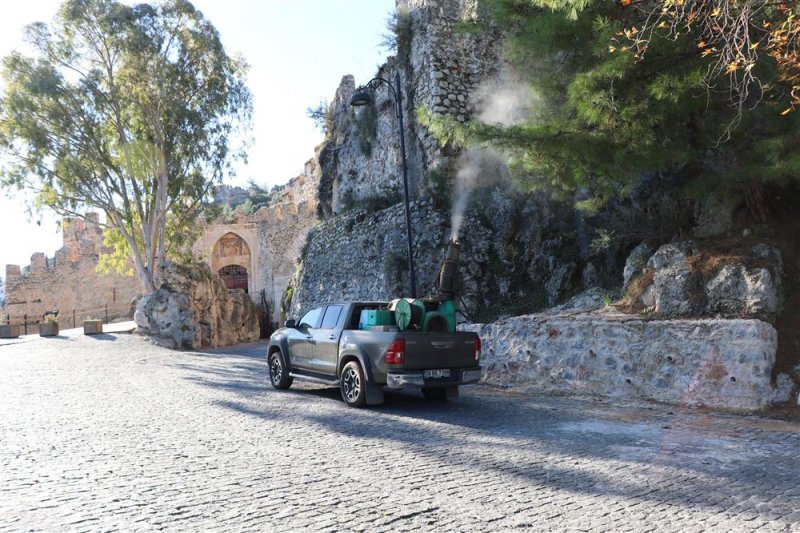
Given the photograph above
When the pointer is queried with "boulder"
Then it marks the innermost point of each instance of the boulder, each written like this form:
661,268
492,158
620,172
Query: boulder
636,262
675,286
193,309
737,290
689,280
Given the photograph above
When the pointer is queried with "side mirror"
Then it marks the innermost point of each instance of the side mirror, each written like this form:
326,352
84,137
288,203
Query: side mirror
291,323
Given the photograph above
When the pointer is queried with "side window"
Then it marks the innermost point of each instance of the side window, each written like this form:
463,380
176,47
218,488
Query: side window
311,319
331,317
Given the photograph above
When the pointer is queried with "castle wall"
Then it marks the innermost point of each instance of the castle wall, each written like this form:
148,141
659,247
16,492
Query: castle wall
69,280
274,235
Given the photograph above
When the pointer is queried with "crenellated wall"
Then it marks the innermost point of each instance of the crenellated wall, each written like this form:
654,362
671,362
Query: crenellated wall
273,238
267,244
69,280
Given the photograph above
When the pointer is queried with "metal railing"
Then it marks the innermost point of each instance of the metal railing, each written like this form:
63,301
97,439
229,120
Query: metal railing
75,316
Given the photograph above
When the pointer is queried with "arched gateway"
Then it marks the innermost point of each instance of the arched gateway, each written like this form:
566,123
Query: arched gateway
231,260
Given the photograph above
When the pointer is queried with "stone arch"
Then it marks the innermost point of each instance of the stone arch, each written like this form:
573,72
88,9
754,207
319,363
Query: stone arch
231,259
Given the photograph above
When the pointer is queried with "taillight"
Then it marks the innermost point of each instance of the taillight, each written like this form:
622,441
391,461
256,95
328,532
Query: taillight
396,353
477,348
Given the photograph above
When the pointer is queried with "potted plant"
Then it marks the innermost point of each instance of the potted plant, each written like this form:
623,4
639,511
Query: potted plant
49,327
7,329
92,326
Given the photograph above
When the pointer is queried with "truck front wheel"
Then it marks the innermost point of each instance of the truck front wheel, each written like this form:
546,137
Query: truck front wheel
354,388
278,373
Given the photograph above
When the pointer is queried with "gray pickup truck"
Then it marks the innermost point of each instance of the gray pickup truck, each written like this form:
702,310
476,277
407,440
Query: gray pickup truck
329,345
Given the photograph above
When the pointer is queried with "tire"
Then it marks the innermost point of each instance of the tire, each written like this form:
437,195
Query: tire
278,374
353,385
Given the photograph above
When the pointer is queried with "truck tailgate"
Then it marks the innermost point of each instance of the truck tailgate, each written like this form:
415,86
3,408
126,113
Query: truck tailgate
439,350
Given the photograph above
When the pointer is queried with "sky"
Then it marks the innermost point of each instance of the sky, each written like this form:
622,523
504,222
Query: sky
298,52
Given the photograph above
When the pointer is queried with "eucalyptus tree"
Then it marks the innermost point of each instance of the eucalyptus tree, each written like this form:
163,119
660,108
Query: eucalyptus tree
135,110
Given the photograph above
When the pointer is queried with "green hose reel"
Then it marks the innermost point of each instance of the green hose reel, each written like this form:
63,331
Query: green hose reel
408,313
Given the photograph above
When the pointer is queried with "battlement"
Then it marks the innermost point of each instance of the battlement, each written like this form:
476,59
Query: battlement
68,279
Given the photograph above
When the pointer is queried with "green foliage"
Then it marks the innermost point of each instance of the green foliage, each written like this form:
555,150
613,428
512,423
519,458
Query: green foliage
470,26
131,110
604,119
117,254
398,37
257,197
446,129
602,241
322,116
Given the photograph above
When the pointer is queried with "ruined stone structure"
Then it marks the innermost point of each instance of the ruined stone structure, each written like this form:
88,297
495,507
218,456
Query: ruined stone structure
70,280
259,252
256,253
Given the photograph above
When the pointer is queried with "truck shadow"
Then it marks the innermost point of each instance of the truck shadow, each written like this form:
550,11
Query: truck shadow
674,457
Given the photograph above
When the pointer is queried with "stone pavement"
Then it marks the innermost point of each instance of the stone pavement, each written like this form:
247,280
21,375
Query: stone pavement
110,432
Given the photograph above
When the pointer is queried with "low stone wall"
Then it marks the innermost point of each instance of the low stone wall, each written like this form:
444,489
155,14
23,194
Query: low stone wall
715,363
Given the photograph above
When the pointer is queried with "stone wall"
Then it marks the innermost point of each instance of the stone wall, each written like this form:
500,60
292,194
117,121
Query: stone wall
273,238
70,279
506,265
713,362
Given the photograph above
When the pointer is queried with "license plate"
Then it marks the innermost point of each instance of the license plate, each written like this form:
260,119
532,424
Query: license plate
437,373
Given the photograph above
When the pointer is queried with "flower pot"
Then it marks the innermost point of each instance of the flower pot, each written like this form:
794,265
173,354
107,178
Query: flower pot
92,327
9,331
48,329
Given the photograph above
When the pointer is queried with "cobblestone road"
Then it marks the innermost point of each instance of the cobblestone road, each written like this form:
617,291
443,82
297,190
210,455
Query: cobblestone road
113,433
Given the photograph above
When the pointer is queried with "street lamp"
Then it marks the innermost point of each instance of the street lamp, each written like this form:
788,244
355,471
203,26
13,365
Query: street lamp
361,98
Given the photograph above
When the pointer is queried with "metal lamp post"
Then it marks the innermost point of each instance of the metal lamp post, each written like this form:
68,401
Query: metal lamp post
363,97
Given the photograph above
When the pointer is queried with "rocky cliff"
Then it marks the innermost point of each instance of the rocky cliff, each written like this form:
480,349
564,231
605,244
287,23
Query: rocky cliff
441,70
696,289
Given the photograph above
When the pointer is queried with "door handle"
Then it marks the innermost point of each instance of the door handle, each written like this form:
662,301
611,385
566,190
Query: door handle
332,337
309,337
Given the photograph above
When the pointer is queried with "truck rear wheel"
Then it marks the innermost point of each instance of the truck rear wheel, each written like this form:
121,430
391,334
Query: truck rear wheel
353,386
278,373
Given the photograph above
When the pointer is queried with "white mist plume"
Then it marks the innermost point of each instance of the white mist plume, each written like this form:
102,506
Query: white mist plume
477,167
504,100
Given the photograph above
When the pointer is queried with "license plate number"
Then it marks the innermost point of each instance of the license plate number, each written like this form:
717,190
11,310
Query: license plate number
437,373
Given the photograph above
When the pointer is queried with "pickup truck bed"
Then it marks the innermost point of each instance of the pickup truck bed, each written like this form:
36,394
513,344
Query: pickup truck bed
327,346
